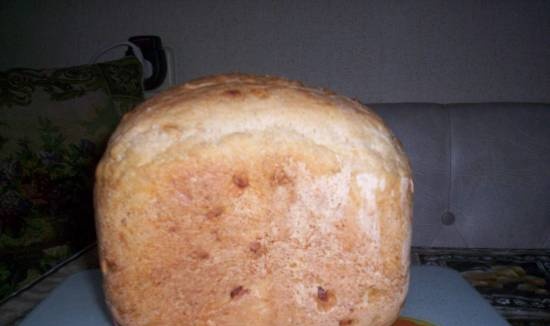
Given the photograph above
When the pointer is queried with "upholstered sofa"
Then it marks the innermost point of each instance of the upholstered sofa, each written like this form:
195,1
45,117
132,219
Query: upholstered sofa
482,172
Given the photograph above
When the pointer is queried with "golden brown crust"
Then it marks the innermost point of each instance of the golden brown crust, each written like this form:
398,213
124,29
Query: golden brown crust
248,200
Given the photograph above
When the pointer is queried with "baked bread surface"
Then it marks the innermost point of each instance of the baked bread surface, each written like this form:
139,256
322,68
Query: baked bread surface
253,200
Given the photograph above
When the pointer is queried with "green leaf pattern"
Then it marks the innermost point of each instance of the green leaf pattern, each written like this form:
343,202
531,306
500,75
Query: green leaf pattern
46,182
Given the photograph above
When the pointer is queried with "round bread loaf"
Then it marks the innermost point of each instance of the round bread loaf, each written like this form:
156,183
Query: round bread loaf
248,200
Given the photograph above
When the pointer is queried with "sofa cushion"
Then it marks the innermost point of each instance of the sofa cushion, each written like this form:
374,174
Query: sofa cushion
481,172
54,126
500,182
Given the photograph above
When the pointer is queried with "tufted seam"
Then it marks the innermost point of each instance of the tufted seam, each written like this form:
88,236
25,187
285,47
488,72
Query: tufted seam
450,175
451,158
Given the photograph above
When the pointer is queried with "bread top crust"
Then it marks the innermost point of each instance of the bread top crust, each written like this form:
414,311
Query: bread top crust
253,200
211,108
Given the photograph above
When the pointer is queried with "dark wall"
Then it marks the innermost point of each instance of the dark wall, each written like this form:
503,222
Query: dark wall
377,51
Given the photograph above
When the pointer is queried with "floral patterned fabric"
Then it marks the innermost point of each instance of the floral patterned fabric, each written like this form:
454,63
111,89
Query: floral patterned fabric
515,282
54,125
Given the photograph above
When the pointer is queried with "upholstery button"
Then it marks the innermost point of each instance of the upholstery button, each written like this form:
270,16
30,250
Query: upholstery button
448,218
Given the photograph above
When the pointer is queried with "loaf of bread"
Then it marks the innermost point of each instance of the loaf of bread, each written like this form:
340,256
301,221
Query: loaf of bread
253,200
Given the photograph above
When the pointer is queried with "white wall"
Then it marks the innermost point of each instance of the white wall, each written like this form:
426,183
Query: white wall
377,51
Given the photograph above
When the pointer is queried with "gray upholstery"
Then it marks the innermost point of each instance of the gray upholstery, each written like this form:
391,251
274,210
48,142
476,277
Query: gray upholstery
482,172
